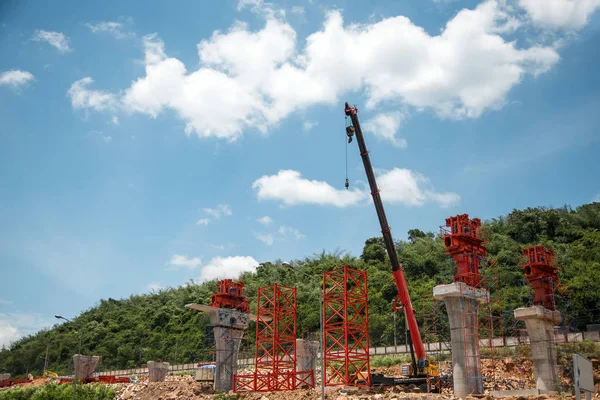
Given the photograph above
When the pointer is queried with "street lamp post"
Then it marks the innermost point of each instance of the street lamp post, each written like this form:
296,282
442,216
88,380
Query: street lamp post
79,353
321,324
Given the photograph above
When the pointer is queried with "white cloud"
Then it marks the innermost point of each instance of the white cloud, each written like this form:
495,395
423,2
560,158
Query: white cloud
14,326
227,267
82,97
221,209
385,126
404,186
202,221
183,261
297,10
289,187
5,302
115,120
107,139
308,125
154,286
8,334
284,231
556,14
254,79
56,39
15,78
266,220
265,238
282,234
112,27
397,186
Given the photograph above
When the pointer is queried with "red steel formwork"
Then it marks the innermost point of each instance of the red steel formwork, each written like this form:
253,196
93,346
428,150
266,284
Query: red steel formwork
346,327
540,271
464,242
275,365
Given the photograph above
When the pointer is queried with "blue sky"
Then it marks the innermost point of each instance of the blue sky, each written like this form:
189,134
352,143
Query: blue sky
146,144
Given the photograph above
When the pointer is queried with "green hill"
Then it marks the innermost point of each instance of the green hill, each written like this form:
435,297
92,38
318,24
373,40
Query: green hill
128,332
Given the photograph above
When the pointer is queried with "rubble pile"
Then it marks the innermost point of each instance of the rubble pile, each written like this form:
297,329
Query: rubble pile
173,387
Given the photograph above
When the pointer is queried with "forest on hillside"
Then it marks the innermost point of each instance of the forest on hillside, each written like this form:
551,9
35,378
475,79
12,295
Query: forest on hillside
128,332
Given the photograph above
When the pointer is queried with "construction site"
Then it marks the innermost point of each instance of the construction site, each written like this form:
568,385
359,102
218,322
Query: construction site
466,346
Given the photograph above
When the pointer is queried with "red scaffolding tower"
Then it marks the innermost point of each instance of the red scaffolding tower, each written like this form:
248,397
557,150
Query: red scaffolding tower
540,271
275,362
346,327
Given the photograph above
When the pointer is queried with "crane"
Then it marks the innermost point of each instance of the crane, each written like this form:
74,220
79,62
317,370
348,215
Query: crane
421,366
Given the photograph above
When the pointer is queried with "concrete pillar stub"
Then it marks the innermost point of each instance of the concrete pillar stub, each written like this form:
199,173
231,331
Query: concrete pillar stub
540,323
462,302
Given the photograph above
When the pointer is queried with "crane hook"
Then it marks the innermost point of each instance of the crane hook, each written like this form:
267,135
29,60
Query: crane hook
347,184
350,133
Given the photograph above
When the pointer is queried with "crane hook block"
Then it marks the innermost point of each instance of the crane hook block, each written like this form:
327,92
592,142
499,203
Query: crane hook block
347,184
350,133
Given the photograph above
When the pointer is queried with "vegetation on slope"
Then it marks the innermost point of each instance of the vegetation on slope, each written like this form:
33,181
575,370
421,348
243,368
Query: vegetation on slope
128,332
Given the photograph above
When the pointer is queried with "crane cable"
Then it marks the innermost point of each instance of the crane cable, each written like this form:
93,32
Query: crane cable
347,184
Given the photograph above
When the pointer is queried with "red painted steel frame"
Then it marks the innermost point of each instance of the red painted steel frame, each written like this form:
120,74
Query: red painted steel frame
231,295
540,272
464,242
346,328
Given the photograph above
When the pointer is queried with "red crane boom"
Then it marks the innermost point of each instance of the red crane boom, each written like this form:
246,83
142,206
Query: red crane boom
397,271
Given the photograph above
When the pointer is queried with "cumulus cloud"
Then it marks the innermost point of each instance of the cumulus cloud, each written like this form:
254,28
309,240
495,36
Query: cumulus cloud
114,28
227,267
56,39
556,14
82,97
115,120
253,79
401,185
183,261
285,231
221,209
396,185
291,188
385,126
265,238
15,78
14,326
202,221
282,234
266,220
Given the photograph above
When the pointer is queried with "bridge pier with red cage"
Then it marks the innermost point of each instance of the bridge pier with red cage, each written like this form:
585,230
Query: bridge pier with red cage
463,240
540,319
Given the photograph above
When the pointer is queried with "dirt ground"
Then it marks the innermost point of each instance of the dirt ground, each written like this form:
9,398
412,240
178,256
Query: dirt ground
507,374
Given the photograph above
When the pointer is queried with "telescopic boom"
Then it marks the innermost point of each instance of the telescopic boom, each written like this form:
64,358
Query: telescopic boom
397,270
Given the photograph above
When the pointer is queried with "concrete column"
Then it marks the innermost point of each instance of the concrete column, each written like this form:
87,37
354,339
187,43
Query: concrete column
157,371
229,326
84,366
540,323
462,302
